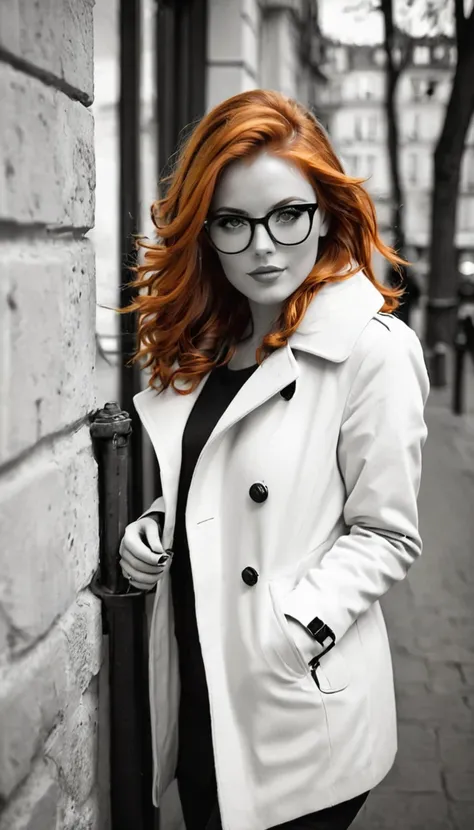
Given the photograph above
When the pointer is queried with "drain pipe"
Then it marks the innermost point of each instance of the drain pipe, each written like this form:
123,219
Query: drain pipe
125,626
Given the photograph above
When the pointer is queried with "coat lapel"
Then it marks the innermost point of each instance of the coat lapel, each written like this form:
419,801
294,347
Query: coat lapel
330,328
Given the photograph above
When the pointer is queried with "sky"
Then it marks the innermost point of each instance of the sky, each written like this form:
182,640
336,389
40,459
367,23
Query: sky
339,22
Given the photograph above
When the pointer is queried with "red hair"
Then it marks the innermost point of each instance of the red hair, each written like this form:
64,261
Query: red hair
188,312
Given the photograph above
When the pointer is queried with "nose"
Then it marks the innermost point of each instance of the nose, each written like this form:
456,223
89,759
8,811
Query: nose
262,241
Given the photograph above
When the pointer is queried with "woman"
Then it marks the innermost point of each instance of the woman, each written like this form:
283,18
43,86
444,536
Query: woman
288,430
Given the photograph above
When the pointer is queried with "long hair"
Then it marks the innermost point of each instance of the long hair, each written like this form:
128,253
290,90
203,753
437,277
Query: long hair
189,317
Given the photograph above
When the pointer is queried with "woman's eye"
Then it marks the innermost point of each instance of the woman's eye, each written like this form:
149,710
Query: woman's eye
229,223
288,215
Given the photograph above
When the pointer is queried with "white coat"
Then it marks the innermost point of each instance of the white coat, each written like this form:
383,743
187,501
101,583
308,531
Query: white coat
342,463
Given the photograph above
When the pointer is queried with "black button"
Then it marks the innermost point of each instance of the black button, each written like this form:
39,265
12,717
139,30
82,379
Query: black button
258,492
250,576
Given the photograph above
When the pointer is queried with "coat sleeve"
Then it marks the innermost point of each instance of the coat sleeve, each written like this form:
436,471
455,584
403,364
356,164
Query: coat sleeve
157,506
379,455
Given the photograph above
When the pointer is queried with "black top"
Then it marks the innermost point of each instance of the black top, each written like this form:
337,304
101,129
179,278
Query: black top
195,753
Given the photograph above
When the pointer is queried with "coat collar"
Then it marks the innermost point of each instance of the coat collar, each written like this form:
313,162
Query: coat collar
332,323
336,317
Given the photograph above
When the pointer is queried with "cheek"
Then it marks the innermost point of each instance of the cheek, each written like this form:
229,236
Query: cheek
301,258
234,268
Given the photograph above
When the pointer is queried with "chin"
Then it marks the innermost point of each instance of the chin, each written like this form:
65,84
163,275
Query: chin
270,294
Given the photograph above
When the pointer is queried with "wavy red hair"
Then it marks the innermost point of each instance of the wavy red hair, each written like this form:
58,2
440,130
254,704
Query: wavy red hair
190,318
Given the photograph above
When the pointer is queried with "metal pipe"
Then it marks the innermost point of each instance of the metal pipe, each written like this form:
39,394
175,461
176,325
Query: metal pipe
129,198
124,623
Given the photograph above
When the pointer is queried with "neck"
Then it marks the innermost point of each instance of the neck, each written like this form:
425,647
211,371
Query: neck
263,317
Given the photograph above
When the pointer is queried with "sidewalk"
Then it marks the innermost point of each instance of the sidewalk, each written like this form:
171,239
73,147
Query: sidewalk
430,619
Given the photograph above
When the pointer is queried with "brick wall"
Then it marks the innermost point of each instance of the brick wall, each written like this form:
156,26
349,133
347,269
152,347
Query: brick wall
50,630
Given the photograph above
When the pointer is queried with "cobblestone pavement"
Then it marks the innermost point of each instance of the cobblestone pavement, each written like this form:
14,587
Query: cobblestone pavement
430,618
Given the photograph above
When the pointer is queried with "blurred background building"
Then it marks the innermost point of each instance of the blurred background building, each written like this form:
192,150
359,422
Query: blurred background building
352,106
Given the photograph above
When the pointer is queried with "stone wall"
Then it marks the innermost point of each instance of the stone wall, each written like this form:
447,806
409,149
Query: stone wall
50,628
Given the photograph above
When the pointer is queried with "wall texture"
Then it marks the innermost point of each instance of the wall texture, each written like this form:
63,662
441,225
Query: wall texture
50,630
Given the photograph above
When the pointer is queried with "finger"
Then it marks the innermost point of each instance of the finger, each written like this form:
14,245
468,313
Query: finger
152,535
146,579
138,565
136,546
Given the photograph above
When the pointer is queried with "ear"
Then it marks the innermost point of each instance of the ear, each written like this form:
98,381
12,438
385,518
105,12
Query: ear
323,223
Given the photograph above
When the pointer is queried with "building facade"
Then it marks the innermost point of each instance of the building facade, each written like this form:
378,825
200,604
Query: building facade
50,623
273,44
352,105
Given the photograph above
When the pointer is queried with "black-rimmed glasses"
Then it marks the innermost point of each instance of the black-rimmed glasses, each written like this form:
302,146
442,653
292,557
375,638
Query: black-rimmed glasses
231,233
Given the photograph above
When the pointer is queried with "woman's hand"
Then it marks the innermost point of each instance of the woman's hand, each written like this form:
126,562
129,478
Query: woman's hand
142,558
305,642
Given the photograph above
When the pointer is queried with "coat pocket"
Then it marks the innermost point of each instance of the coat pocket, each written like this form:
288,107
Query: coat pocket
332,674
285,645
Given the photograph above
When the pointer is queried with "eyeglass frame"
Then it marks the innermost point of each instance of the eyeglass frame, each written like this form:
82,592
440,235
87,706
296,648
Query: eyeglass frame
310,207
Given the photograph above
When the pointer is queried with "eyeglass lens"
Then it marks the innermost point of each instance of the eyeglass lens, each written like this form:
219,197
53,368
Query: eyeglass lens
231,234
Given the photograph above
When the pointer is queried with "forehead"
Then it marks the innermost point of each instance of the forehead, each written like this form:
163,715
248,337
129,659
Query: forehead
256,184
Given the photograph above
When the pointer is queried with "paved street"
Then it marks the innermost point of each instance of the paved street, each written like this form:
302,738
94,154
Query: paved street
430,618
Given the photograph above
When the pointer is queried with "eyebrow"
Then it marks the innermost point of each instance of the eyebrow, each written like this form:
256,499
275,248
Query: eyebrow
245,213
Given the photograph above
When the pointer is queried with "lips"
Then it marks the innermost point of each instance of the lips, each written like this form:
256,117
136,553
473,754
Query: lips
267,274
265,269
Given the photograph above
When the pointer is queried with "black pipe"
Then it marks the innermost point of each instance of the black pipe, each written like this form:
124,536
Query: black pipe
129,186
124,622
181,50
180,81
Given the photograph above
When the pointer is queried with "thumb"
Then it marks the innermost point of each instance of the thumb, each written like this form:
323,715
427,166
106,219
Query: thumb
153,536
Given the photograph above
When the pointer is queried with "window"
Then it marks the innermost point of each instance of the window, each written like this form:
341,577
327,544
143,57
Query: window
439,52
365,127
413,127
379,57
340,59
412,168
421,55
351,165
370,165
417,88
465,219
366,87
372,127
467,171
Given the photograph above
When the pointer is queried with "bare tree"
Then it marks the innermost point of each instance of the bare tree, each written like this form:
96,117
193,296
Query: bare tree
396,47
448,155
396,57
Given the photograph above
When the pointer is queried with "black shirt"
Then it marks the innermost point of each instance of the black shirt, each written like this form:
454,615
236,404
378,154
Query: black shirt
195,745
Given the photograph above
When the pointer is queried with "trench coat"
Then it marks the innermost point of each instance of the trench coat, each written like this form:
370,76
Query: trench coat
339,457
